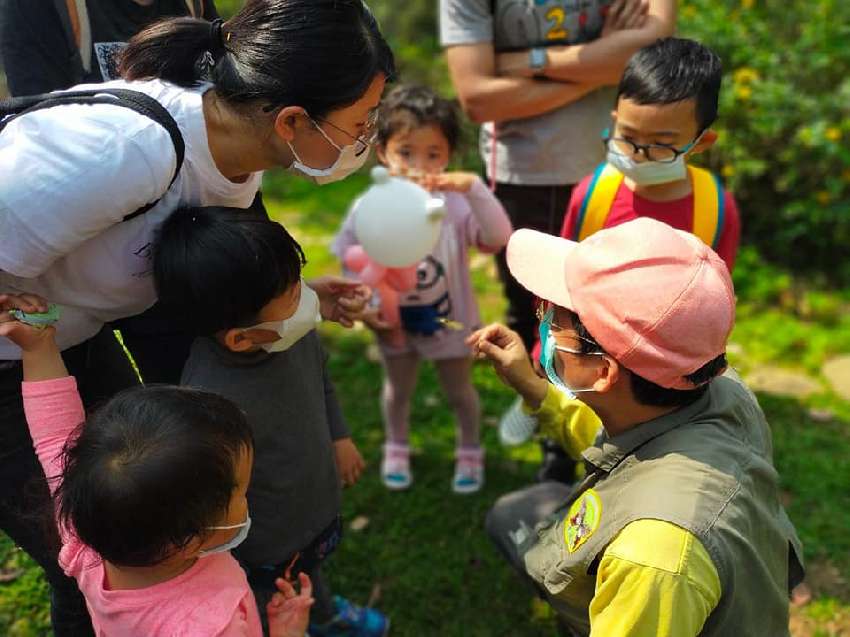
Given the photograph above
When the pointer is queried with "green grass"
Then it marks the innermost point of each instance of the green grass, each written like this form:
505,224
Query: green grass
424,557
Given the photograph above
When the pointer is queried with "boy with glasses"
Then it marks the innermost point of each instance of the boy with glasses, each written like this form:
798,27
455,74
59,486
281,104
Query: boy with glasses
666,102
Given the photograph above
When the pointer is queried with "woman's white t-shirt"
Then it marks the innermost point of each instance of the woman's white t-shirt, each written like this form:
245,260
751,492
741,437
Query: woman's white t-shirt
69,174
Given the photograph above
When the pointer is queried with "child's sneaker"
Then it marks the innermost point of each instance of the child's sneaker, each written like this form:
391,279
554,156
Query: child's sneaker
352,620
469,470
516,427
395,467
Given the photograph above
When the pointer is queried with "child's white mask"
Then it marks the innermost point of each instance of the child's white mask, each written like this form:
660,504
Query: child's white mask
235,541
650,173
297,326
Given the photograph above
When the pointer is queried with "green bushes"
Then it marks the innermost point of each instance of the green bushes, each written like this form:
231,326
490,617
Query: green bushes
784,145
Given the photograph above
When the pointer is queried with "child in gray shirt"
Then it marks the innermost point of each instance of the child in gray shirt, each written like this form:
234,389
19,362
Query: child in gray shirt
235,277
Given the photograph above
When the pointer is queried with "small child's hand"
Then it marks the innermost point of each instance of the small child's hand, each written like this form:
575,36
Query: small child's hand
340,299
349,462
27,337
447,182
288,612
371,317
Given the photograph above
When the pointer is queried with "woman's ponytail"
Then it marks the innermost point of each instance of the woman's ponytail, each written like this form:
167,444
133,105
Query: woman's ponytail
318,54
172,50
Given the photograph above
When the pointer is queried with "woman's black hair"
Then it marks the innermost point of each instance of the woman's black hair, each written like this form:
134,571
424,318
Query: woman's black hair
648,393
318,54
150,471
411,106
672,70
215,268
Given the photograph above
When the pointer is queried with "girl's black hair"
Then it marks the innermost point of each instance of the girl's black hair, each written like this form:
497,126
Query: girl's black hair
411,106
318,54
215,268
150,471
672,70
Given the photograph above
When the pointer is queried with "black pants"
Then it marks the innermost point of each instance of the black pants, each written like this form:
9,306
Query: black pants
26,515
158,345
309,560
539,208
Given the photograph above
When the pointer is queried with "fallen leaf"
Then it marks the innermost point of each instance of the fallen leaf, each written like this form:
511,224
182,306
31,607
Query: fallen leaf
359,523
10,574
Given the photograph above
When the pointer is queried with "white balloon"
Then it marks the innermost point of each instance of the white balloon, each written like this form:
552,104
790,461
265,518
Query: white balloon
396,221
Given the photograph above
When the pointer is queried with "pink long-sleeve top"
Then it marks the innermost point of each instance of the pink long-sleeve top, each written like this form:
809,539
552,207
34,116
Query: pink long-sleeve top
210,599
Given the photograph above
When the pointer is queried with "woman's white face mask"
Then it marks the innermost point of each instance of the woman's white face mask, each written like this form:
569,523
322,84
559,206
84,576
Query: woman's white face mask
350,159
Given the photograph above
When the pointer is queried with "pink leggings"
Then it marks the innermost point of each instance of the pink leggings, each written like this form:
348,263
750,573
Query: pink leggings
400,374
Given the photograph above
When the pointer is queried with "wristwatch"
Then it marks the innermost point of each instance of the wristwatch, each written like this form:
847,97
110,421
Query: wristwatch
537,59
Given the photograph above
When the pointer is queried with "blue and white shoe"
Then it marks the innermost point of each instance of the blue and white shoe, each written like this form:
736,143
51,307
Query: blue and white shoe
469,470
352,620
395,467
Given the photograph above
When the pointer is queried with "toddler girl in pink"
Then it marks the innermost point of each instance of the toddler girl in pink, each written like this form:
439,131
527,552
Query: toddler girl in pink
150,497
417,133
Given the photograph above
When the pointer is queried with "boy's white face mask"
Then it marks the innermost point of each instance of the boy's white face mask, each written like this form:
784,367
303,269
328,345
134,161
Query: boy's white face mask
650,173
297,326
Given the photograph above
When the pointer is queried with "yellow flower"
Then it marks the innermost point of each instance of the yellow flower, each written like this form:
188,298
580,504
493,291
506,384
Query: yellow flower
833,133
745,75
747,4
743,93
823,197
728,171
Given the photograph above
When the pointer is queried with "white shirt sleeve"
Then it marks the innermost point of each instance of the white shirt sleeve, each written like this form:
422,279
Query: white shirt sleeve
68,173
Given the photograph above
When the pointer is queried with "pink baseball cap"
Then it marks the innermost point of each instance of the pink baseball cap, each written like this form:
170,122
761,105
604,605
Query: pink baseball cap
658,300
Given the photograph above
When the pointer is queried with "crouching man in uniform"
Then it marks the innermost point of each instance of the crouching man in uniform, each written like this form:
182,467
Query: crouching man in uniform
677,528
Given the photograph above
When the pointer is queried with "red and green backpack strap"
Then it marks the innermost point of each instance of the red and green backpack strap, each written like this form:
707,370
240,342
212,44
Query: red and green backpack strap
597,201
709,206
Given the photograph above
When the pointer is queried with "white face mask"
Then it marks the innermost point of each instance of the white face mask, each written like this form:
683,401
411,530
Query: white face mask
347,162
235,541
649,173
293,329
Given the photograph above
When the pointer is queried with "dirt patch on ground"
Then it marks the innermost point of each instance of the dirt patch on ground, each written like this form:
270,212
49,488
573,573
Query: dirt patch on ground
814,620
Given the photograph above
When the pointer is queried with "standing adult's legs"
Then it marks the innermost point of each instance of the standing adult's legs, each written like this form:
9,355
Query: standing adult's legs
539,208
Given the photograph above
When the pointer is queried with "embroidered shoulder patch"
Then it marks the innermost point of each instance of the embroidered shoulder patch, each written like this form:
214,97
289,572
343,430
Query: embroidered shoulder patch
582,519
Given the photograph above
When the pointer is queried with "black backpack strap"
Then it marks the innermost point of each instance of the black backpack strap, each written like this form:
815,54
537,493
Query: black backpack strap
141,103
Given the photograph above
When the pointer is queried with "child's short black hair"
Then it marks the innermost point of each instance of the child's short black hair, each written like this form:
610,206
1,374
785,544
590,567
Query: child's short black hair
215,268
672,70
150,471
411,106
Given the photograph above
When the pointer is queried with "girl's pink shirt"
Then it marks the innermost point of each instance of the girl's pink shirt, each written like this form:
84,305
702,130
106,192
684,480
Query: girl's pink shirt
210,599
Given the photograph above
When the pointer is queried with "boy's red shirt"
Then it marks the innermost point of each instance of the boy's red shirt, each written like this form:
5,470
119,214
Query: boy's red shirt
678,213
